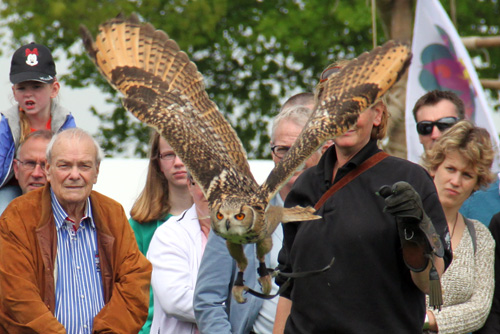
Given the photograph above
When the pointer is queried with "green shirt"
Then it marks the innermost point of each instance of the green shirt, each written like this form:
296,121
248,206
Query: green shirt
143,234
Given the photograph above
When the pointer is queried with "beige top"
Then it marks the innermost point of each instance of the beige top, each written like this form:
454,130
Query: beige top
468,284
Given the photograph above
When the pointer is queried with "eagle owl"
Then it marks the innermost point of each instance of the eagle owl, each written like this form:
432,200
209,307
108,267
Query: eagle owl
164,89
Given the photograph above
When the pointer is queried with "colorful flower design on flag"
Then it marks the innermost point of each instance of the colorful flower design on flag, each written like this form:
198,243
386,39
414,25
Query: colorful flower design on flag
443,70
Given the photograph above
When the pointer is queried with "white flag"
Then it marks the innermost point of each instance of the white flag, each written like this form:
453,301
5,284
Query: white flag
440,61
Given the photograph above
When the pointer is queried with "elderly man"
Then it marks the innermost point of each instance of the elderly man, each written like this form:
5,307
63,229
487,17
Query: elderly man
70,263
215,310
29,164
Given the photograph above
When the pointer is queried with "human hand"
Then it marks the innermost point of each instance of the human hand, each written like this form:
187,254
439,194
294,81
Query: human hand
402,201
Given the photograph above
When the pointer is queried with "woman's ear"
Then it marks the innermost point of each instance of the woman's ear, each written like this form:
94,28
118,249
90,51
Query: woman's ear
378,108
432,173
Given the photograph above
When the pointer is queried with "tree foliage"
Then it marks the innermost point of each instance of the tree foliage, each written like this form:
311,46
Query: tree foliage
480,18
253,54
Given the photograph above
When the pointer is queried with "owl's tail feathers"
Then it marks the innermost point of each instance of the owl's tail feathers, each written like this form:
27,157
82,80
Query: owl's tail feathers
298,213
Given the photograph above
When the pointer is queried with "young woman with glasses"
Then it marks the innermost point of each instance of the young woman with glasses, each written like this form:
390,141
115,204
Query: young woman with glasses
165,194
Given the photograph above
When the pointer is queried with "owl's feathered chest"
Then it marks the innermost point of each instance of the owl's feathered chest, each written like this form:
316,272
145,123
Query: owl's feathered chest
247,238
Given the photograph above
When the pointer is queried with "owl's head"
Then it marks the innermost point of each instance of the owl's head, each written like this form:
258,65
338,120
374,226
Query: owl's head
235,221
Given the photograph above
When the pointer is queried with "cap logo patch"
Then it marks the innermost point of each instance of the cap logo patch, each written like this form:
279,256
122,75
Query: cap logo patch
31,57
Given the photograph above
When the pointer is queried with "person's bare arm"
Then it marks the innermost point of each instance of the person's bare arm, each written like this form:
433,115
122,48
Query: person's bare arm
282,312
421,279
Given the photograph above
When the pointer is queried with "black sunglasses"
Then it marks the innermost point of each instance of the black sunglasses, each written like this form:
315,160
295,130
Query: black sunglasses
425,127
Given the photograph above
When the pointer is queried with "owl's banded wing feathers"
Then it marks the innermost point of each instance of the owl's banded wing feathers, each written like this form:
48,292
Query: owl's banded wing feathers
179,124
353,89
130,54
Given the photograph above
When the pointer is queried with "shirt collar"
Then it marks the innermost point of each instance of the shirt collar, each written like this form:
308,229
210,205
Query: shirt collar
60,215
331,157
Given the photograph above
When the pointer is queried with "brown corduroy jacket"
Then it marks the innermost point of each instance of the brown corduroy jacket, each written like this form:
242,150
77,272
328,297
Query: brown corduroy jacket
28,243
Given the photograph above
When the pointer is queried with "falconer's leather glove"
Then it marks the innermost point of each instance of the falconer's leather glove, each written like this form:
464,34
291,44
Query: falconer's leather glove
419,239
416,232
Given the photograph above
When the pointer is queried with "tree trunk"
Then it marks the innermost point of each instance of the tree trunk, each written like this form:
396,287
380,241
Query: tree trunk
397,19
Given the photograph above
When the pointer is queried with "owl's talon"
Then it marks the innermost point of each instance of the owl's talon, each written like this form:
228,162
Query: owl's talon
265,282
238,293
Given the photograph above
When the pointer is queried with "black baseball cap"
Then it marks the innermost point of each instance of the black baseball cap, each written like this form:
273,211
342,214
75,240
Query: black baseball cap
32,62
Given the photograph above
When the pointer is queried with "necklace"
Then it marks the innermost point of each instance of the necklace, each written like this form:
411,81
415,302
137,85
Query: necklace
455,225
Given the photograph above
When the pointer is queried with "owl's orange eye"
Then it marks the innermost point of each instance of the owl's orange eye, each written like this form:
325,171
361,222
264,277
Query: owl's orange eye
239,216
219,216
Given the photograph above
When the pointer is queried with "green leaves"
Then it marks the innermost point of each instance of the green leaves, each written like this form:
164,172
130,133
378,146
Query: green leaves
253,54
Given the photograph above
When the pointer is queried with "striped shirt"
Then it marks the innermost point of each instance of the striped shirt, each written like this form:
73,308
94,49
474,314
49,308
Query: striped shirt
79,293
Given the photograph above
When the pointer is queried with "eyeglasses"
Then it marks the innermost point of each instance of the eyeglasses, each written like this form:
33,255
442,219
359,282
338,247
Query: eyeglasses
30,165
167,156
280,150
327,72
425,127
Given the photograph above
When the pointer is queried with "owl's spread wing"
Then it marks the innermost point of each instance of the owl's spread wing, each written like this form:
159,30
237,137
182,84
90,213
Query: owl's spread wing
356,87
176,121
144,65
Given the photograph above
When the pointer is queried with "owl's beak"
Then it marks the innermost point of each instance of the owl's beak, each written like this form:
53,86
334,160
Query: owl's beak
228,224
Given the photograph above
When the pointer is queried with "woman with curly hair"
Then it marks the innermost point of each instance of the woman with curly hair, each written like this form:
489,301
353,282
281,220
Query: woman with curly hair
460,163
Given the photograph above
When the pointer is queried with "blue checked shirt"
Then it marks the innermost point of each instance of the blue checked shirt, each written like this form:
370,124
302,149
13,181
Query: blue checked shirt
79,294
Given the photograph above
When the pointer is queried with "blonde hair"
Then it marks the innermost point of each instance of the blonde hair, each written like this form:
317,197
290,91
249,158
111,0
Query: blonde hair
24,122
153,202
472,143
25,126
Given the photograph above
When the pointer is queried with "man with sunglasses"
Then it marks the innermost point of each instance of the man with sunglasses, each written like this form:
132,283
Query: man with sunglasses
29,164
435,112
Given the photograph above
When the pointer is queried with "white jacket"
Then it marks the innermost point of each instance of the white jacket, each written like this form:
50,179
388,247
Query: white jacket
175,253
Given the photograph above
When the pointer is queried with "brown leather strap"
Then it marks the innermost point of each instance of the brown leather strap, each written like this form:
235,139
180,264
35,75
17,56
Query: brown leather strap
367,164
